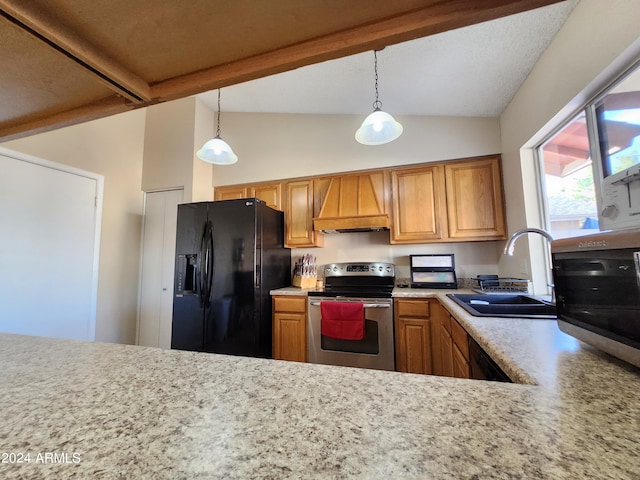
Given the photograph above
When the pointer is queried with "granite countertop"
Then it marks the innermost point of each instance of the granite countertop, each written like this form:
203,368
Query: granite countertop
119,411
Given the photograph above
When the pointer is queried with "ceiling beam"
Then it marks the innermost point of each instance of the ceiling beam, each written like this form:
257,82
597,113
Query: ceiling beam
92,111
110,73
432,19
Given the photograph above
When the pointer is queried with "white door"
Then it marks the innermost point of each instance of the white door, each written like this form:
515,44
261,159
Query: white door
158,263
49,236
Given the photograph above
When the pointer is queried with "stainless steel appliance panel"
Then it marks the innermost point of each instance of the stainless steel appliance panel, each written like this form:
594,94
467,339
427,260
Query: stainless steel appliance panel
597,283
376,351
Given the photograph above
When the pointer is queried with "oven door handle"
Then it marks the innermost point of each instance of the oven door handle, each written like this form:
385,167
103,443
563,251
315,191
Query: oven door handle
366,305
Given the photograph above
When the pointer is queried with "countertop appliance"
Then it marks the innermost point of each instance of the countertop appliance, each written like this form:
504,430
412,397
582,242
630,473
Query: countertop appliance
366,283
597,284
433,271
229,255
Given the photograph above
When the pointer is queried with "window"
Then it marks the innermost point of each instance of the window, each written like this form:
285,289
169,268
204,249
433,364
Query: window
568,182
619,131
574,168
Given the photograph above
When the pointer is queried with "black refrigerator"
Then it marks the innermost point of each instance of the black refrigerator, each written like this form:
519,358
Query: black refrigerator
229,255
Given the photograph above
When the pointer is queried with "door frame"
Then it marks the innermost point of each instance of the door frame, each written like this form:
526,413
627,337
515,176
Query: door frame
99,179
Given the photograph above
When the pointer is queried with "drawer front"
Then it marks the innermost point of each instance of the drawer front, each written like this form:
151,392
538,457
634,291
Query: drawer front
290,303
460,338
415,308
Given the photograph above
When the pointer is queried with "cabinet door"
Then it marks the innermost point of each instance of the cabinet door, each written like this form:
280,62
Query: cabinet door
289,337
299,215
418,205
413,335
446,352
230,193
271,193
474,200
461,368
438,312
414,338
290,328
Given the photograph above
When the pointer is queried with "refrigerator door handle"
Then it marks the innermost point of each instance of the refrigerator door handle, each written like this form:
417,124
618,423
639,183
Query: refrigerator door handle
206,264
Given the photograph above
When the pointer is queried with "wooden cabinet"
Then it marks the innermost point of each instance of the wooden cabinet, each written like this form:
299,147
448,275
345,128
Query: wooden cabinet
270,192
413,334
475,208
418,204
352,201
232,192
446,346
460,350
453,346
290,328
438,202
299,212
452,201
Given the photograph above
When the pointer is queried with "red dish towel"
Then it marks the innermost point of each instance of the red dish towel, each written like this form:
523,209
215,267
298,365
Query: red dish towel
342,320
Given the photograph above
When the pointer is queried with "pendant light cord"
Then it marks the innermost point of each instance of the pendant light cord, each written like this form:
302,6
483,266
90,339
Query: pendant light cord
218,129
377,105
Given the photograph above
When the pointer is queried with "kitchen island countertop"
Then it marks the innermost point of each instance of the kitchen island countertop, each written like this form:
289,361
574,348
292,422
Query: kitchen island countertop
118,411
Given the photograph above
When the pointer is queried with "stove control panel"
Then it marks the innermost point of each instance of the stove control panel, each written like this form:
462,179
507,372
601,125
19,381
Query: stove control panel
375,269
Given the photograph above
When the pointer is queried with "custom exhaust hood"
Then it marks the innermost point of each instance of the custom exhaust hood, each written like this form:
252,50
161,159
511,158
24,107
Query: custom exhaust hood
352,203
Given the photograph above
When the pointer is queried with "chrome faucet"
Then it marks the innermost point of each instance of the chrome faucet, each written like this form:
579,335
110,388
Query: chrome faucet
510,246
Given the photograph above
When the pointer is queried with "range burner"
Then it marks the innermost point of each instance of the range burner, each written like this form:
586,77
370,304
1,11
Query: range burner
358,280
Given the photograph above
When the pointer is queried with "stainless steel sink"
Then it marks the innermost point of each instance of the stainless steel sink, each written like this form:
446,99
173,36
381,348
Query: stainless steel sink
513,306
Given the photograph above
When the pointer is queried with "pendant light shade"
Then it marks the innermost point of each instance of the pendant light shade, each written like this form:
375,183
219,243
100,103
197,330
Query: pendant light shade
216,150
379,127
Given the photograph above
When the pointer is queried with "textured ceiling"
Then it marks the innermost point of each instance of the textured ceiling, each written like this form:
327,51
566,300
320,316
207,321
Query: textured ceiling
472,71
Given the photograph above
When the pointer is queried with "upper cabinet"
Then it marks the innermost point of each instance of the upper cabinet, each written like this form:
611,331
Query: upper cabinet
230,193
418,203
299,210
448,202
453,201
270,192
352,201
474,200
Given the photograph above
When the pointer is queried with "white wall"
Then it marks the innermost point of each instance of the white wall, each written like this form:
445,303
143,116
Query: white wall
275,146
111,147
597,39
173,132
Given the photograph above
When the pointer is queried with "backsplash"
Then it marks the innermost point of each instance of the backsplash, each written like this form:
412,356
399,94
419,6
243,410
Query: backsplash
469,283
471,258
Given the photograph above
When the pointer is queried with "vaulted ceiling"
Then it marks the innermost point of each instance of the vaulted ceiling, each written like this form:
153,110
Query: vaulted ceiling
69,61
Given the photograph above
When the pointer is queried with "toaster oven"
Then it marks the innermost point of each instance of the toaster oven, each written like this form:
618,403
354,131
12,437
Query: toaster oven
597,286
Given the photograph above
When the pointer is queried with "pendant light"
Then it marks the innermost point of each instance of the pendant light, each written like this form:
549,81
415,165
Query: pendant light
216,150
379,127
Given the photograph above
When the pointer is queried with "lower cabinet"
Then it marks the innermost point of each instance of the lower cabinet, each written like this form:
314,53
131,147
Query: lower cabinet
429,340
460,350
446,345
290,328
413,335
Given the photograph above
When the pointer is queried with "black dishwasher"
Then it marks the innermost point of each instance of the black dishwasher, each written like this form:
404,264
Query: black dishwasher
482,367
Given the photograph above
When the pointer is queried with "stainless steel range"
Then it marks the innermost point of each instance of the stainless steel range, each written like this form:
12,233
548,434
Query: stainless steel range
369,284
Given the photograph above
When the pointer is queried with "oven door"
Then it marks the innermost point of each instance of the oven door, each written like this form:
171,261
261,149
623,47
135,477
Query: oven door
375,351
